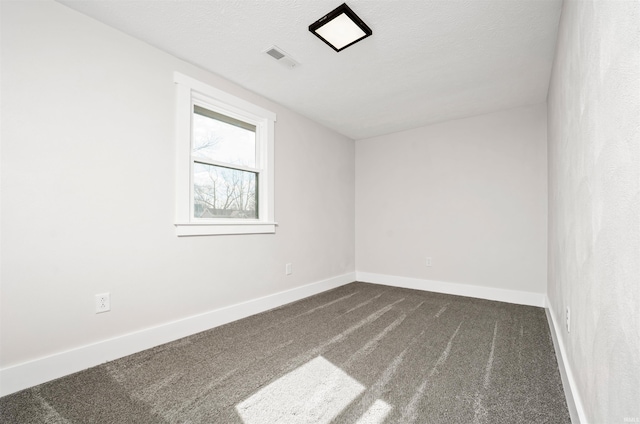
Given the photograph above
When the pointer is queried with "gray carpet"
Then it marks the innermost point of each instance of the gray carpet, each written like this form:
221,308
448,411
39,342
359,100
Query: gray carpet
361,353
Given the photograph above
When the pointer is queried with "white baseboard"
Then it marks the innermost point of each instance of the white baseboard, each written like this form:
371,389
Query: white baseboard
574,403
489,293
41,370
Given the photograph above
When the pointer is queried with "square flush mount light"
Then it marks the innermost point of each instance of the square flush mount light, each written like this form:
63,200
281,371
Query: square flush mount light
340,28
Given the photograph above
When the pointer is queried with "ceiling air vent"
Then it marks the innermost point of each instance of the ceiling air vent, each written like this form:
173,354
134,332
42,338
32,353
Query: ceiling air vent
282,57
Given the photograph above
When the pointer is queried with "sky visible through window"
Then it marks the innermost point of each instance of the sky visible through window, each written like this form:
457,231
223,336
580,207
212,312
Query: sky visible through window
222,142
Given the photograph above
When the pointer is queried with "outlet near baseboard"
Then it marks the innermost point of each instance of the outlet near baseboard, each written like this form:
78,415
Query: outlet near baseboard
103,303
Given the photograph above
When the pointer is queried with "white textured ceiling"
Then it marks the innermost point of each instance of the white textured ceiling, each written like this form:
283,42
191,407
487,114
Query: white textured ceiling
427,60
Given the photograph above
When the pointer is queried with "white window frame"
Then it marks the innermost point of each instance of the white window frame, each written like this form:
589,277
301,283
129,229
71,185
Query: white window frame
189,92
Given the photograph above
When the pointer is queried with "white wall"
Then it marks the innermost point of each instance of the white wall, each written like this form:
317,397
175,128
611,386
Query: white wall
88,192
594,203
470,193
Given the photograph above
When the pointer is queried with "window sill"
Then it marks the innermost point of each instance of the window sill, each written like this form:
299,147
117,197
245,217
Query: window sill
208,229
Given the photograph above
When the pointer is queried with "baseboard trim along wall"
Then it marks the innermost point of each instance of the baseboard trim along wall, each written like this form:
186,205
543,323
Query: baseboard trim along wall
480,292
32,373
574,403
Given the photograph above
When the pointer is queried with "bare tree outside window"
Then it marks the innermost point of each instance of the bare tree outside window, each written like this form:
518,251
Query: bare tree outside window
224,192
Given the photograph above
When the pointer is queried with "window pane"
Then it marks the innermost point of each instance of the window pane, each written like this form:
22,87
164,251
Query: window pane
222,138
224,193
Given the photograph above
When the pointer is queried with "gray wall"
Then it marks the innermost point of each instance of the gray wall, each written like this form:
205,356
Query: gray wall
88,192
594,203
469,193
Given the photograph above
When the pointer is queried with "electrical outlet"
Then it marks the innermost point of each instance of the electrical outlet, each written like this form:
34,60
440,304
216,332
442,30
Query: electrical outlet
428,262
288,269
103,303
568,316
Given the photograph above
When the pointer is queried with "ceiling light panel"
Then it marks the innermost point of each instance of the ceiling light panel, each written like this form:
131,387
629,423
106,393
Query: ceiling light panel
340,28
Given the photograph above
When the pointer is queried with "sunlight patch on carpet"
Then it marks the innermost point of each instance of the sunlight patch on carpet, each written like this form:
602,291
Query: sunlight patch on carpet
315,392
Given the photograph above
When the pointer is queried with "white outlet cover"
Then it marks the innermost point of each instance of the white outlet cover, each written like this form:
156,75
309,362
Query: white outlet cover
288,269
103,303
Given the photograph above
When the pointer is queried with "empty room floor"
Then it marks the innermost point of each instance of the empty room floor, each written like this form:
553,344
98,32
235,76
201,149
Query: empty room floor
361,353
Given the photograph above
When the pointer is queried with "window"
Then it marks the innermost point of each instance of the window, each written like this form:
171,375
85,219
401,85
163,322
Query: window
225,162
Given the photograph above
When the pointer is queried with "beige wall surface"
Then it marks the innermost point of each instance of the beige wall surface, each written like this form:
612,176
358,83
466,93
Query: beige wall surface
88,192
594,203
470,193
